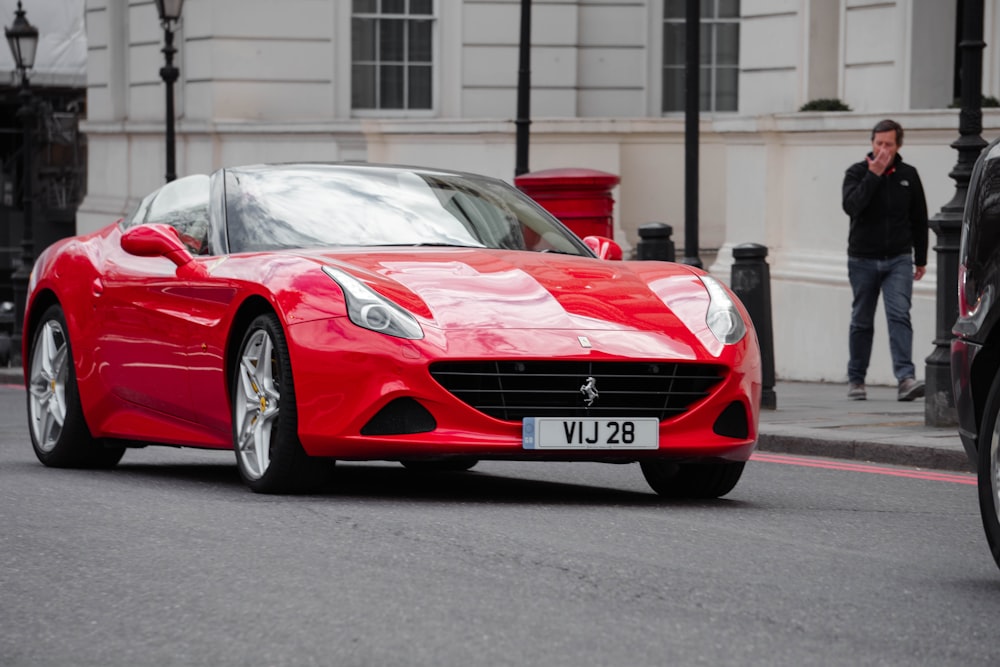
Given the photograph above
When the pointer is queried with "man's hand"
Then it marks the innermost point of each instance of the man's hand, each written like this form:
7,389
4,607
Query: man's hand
918,272
880,162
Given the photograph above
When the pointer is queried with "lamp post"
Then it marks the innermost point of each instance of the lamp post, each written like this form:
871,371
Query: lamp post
170,13
692,97
939,402
523,91
22,37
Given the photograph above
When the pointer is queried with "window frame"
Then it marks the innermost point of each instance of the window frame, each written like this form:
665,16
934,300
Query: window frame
712,22
434,63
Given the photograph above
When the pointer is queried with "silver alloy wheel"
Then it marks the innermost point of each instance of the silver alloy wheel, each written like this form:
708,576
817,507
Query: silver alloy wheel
47,385
256,414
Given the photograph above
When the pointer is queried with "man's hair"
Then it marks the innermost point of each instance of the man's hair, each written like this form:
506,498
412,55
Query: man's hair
889,126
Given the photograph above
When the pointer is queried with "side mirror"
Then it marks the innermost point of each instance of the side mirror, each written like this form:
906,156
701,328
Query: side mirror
604,247
158,240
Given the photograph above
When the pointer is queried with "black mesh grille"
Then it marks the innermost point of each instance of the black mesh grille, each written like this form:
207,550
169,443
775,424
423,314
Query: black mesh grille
512,390
399,417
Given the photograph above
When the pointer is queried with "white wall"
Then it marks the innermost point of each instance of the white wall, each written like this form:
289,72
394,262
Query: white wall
769,66
873,70
768,174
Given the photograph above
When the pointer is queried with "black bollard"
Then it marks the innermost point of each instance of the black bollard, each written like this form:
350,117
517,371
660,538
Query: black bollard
655,242
751,281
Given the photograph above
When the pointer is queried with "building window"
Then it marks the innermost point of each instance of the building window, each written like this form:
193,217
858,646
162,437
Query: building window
391,54
720,51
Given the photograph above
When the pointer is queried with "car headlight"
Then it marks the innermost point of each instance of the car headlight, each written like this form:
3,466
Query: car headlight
723,318
370,310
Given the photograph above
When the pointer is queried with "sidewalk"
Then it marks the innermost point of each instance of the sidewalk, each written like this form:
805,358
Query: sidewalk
816,419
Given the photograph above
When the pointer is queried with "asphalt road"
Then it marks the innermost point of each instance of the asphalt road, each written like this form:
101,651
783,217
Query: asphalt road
169,560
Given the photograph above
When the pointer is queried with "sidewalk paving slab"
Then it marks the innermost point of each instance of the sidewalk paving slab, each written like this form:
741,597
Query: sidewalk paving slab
816,419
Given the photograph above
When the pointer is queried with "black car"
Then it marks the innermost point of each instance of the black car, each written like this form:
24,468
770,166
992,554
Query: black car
975,352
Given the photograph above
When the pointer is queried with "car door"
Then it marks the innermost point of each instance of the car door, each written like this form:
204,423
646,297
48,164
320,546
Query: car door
144,307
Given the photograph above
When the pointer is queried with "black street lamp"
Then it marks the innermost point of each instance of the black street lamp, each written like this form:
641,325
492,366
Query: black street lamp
939,402
170,13
23,40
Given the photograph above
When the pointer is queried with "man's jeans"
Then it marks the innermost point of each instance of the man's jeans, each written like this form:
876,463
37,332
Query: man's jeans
894,278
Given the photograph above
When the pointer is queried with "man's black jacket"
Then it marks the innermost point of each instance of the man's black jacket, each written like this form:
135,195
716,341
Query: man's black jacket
888,212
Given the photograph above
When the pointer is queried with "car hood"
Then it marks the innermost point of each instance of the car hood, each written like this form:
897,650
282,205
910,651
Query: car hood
482,288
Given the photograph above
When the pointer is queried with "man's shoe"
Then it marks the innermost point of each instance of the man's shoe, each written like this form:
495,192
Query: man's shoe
910,388
856,392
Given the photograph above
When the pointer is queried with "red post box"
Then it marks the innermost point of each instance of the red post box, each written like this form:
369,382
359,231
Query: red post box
580,198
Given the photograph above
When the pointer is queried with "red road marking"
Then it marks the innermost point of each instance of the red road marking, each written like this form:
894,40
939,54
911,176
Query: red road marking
954,478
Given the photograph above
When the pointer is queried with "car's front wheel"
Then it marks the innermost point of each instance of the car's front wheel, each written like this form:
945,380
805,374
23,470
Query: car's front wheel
692,480
989,469
265,422
59,433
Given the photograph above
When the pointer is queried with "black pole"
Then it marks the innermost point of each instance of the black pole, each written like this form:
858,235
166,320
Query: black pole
691,101
523,90
939,402
751,281
22,273
169,74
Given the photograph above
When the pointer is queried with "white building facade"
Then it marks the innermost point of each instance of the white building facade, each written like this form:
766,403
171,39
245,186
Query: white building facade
434,82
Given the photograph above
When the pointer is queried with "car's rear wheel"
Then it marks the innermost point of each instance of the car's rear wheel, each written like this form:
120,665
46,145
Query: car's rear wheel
692,480
265,422
457,464
989,469
59,433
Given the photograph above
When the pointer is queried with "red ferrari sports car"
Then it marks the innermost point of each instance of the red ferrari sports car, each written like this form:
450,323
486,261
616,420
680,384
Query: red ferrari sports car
304,313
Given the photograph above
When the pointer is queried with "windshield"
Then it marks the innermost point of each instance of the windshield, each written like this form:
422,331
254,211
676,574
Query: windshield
304,206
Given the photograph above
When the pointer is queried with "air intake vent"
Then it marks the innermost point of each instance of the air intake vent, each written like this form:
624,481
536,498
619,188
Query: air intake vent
400,417
512,390
733,422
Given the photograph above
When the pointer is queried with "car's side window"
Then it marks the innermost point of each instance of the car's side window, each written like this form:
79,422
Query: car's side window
182,204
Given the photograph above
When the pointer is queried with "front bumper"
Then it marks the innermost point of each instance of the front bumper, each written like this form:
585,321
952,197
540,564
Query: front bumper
344,378
963,353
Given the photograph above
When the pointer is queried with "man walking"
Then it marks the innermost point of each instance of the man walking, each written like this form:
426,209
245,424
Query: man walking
886,252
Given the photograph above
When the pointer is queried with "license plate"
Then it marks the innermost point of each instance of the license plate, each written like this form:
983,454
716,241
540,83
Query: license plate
588,433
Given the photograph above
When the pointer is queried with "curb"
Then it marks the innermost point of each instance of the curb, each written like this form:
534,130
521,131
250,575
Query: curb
861,450
12,375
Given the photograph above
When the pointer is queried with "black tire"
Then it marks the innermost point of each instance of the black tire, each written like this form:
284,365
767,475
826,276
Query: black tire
59,432
692,480
265,420
989,469
458,464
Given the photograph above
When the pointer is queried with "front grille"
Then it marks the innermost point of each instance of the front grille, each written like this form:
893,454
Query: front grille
513,390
